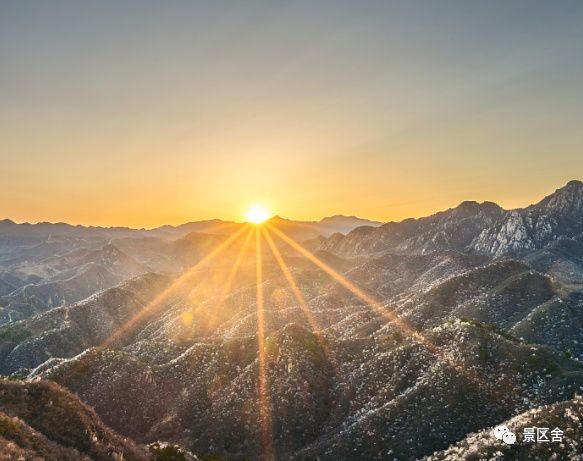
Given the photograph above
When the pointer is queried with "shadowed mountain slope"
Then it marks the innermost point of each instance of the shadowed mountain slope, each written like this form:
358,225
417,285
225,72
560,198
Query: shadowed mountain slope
40,420
326,398
568,416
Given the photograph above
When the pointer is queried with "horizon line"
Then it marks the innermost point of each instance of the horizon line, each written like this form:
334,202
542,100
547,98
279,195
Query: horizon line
226,221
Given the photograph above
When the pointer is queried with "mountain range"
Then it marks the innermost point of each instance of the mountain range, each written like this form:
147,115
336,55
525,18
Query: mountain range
461,321
12,233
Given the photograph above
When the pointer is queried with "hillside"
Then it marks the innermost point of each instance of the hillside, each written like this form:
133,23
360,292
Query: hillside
39,420
483,445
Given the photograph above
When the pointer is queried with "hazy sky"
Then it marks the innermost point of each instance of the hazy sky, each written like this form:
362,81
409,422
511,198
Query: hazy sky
142,113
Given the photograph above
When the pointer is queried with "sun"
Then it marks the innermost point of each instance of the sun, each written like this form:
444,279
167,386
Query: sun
257,214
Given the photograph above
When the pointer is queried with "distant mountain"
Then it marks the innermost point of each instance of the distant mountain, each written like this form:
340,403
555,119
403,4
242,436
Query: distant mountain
13,234
64,279
67,331
32,299
560,215
342,224
482,228
453,229
25,233
211,226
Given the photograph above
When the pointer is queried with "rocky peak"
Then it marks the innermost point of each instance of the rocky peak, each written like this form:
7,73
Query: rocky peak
556,216
471,208
567,199
575,183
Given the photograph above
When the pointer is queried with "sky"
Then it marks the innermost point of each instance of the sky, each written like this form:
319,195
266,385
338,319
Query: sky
145,113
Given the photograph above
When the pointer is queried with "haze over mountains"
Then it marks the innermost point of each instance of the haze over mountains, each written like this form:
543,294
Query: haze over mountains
15,233
47,265
495,294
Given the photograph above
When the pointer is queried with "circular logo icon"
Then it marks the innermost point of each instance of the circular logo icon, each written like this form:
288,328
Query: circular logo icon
504,434
499,431
509,438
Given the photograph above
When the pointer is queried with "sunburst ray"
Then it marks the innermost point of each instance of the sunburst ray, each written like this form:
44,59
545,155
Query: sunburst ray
202,313
235,268
381,310
266,425
166,293
307,311
359,293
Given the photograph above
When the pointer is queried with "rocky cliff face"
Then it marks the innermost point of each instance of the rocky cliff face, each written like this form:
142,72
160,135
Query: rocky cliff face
482,228
560,215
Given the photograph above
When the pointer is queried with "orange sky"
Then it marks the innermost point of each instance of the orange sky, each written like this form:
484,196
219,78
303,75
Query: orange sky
141,114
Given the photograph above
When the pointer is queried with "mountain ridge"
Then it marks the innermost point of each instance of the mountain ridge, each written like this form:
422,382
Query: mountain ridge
215,225
484,228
